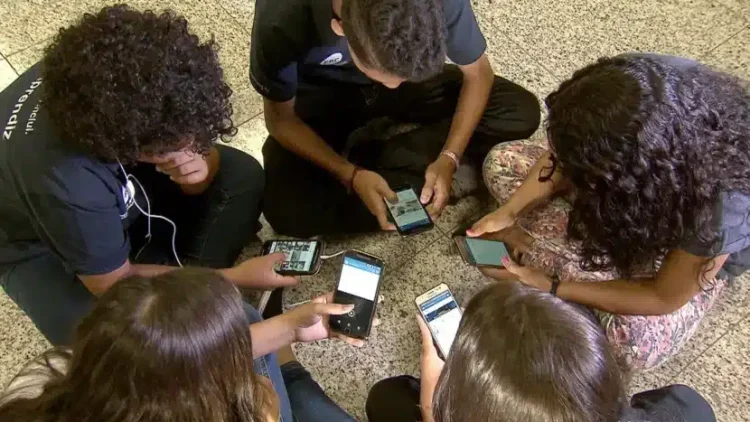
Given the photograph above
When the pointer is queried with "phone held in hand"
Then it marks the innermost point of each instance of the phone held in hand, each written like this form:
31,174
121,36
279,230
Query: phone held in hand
481,252
442,314
408,214
359,284
302,256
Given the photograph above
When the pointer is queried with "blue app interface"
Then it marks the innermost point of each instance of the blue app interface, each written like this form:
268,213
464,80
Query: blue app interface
408,212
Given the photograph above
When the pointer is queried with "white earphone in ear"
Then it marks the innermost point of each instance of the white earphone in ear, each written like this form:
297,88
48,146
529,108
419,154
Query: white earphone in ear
131,188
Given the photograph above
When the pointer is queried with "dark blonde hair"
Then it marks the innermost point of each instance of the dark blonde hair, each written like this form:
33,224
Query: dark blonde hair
522,355
175,347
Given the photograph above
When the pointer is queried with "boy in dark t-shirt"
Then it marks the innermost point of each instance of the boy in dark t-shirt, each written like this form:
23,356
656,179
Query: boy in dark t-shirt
328,67
117,121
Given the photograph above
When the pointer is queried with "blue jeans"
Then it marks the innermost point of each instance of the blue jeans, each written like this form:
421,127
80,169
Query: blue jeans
300,398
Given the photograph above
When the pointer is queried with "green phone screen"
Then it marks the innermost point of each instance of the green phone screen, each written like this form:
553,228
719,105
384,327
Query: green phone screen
487,252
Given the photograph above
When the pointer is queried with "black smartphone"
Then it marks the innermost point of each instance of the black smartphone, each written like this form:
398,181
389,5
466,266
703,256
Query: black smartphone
481,252
408,214
302,256
359,284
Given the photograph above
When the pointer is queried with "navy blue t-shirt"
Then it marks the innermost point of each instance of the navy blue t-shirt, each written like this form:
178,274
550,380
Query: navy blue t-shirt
52,199
292,40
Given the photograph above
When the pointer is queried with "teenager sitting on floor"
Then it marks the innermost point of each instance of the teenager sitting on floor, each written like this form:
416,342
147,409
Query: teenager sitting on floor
177,347
652,155
522,355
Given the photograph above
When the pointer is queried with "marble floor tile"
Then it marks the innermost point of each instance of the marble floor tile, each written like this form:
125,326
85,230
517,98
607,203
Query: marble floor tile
20,341
567,35
730,308
393,347
7,74
510,61
722,374
243,11
250,138
645,25
24,59
27,22
733,56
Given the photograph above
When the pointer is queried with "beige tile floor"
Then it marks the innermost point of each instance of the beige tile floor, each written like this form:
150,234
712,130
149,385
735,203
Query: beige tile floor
537,43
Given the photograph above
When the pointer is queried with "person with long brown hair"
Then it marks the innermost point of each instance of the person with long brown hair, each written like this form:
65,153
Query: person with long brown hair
522,355
176,347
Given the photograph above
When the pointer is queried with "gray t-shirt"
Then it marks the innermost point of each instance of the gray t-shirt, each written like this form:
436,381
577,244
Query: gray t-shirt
731,222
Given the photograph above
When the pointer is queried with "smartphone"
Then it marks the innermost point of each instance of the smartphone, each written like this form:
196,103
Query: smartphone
359,284
442,314
302,256
481,252
408,214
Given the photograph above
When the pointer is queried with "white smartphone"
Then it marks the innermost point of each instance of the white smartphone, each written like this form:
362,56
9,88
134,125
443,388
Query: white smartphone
442,314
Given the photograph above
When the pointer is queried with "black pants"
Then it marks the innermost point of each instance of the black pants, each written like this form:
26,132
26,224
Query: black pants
304,200
397,400
212,229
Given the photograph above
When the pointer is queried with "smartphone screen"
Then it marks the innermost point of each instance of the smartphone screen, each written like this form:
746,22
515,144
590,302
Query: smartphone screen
408,213
443,316
481,252
358,284
301,255
487,252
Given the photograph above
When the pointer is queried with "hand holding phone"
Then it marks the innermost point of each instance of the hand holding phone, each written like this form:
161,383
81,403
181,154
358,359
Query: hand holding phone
310,321
442,316
302,256
408,213
371,189
481,252
359,284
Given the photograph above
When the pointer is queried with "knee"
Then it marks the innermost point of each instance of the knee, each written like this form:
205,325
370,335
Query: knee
239,171
286,218
392,398
525,105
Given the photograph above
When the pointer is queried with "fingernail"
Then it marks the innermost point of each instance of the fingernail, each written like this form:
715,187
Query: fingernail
505,260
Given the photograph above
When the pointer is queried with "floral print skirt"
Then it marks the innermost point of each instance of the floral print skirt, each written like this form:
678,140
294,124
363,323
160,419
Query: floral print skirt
640,342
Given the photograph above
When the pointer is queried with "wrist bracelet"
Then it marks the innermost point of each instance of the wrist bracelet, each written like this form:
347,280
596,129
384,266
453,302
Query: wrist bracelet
350,185
555,285
452,155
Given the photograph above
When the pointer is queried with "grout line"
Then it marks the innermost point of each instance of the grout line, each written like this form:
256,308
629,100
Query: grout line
711,50
2,56
236,21
248,120
684,368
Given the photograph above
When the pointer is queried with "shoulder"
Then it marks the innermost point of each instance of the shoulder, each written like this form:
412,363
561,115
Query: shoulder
282,18
671,403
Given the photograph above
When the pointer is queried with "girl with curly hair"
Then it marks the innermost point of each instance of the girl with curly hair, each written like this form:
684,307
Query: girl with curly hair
116,124
640,208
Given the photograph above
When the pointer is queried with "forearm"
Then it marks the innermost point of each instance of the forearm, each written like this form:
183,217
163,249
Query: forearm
472,101
296,136
213,161
532,191
271,335
622,297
